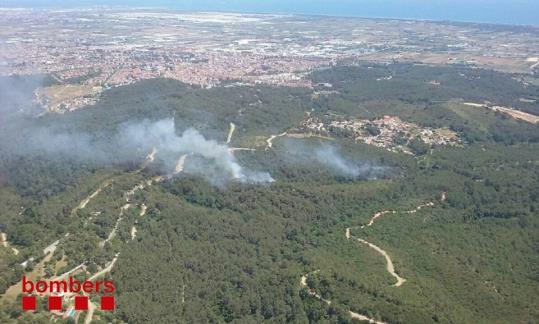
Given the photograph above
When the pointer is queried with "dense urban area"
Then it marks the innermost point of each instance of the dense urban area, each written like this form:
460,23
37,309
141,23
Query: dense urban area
92,50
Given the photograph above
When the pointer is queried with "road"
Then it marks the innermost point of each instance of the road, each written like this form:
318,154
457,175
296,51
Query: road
133,233
389,263
180,164
514,113
112,234
105,270
389,267
143,209
353,315
234,149
5,243
4,240
91,306
86,200
51,248
269,141
66,274
230,133
90,314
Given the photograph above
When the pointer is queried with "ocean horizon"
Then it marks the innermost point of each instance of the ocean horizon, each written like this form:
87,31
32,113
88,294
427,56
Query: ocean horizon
517,12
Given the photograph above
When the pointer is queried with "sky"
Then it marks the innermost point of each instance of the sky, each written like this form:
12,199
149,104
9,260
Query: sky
521,12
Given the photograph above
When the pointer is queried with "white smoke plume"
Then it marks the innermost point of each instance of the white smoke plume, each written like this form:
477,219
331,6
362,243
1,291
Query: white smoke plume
215,160
328,156
130,143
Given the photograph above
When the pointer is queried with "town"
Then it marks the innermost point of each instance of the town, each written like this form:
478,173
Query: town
89,51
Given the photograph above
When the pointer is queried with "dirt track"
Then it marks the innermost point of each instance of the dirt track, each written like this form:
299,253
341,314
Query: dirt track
230,133
269,141
180,164
91,305
143,209
85,201
389,267
514,113
353,315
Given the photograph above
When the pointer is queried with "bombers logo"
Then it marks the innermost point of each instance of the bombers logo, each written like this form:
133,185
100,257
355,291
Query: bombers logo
70,292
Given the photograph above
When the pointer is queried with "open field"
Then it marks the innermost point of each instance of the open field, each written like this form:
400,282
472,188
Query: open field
58,98
510,111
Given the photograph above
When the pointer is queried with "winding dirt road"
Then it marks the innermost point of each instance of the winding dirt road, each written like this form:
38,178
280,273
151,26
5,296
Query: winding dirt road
389,263
151,157
143,209
5,243
91,305
86,200
130,193
105,270
514,113
269,141
90,314
234,149
133,233
66,274
390,267
230,133
180,164
112,234
4,240
229,139
353,315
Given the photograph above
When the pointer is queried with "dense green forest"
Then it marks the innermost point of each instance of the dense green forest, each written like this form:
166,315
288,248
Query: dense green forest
235,253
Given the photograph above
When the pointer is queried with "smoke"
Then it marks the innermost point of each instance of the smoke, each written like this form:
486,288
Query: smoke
329,157
24,135
207,158
133,141
16,98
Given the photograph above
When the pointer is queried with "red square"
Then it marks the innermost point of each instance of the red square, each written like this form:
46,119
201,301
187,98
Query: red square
107,303
28,303
81,302
55,303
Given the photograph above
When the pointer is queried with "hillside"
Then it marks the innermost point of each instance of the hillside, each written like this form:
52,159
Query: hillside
314,199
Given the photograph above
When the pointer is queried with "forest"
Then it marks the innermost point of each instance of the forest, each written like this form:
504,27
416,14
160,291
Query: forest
236,252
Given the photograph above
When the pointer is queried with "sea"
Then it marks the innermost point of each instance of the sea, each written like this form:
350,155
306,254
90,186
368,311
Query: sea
513,12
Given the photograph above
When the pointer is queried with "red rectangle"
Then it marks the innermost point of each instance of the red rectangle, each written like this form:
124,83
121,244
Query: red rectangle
107,303
81,303
28,303
55,303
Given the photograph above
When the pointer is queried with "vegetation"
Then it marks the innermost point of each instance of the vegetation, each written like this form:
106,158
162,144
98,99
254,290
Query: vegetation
236,253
